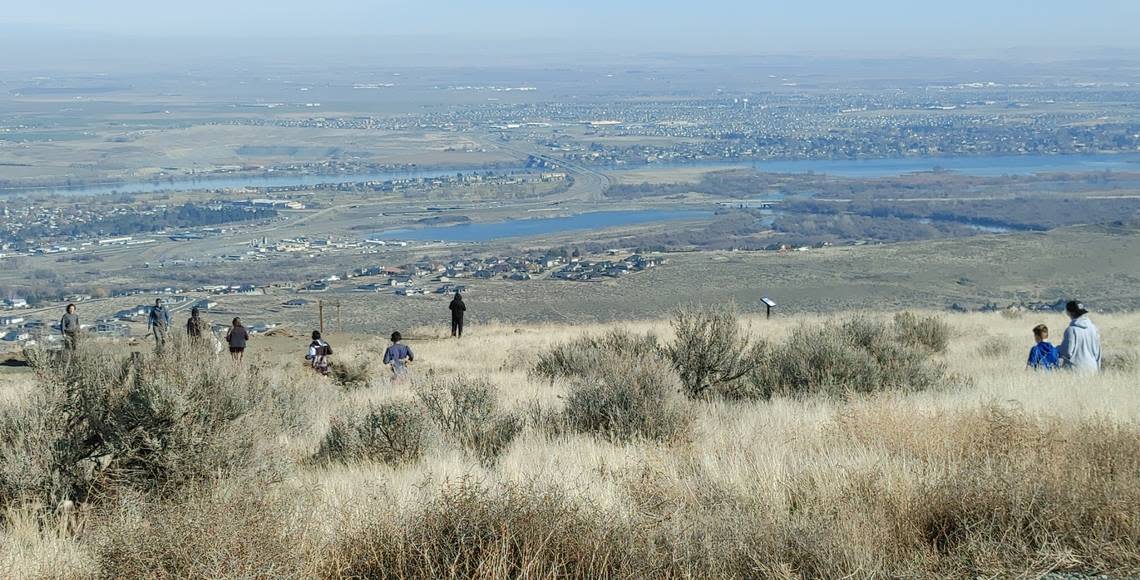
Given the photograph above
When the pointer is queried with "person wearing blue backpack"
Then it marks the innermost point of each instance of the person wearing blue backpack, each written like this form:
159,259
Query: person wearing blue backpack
1043,355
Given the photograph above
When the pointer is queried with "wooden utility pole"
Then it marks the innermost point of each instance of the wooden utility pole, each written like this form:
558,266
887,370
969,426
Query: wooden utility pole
339,326
321,314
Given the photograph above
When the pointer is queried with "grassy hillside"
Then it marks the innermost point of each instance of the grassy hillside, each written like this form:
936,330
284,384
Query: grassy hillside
482,466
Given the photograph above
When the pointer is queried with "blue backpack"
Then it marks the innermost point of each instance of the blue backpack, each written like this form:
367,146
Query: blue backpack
1044,356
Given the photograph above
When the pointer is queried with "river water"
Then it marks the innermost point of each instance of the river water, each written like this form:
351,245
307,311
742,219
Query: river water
520,228
980,166
280,179
988,166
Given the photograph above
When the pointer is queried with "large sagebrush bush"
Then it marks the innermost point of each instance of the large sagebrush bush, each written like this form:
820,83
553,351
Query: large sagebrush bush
629,398
929,332
856,355
467,411
393,432
98,421
712,352
470,530
582,357
235,530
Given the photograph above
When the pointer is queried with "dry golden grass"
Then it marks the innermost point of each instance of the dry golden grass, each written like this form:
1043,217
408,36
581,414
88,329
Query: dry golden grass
1019,473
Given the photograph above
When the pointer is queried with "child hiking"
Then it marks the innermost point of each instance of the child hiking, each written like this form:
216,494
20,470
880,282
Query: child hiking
1043,355
319,353
398,356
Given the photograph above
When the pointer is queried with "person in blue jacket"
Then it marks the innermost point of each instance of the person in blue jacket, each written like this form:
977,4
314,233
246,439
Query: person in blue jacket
398,356
1043,355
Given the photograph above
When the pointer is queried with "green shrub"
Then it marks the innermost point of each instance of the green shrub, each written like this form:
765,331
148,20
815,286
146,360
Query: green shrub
711,352
581,357
857,355
392,432
930,332
96,422
630,398
467,411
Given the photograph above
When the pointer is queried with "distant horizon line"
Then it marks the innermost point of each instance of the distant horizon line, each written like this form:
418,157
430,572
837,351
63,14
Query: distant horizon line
602,45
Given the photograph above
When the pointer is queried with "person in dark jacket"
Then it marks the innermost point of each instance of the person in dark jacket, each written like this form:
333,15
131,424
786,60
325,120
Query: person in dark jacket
457,309
159,323
69,326
195,326
236,338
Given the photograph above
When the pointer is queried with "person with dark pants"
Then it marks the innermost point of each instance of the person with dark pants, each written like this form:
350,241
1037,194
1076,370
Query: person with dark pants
236,338
159,323
319,353
69,326
457,309
195,325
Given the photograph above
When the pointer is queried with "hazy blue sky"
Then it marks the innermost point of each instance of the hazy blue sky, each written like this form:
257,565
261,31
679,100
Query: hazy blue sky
969,26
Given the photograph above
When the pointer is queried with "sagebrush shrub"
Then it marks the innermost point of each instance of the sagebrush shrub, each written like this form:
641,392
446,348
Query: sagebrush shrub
582,357
630,398
351,372
212,532
927,331
468,530
994,347
96,421
467,411
393,432
712,353
857,355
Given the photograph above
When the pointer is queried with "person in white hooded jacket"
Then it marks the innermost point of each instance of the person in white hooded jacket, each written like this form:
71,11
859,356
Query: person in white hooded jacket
1080,349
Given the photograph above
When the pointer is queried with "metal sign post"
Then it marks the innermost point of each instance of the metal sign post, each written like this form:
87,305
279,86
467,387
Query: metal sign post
768,303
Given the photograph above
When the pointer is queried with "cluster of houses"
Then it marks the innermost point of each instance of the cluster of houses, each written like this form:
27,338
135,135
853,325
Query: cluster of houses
409,279
15,303
141,311
586,270
18,329
28,332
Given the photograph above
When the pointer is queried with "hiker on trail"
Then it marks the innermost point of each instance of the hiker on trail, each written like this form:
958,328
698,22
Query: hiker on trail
158,322
457,309
1043,355
69,326
398,357
319,353
236,338
196,325
1080,349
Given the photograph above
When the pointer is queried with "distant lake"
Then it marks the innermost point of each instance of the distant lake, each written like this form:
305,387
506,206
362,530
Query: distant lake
516,228
987,166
